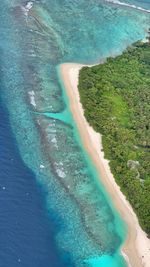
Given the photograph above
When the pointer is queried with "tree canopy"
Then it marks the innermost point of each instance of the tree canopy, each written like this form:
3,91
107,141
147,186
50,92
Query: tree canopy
116,101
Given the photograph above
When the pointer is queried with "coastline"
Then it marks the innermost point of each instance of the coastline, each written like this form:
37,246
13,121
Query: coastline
136,249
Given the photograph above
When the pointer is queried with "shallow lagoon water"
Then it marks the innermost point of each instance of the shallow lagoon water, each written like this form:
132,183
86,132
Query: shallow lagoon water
89,231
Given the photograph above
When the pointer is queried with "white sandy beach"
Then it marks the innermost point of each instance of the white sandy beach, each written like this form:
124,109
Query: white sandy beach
136,249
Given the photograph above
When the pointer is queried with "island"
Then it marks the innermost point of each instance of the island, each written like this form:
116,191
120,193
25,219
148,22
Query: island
110,105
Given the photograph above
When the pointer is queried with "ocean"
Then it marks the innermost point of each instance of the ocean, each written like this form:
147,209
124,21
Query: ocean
27,231
54,211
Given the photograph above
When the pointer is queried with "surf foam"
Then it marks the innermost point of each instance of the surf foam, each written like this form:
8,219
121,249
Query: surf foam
116,2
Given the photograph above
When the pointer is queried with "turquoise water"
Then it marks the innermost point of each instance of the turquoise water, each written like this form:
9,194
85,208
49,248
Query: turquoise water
33,44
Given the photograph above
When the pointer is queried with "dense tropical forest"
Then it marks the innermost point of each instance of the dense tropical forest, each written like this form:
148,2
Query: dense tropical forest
116,101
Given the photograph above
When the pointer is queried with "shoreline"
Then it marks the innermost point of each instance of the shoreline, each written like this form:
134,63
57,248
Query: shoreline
136,248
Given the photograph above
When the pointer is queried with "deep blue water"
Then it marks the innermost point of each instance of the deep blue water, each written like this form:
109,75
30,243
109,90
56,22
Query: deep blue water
26,230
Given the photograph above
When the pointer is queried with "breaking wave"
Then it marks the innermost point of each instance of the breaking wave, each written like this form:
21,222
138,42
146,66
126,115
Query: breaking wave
116,2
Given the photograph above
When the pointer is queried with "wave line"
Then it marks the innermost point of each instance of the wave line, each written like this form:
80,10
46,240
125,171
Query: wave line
117,2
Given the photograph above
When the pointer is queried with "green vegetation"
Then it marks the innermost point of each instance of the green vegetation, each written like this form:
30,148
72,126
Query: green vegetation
116,101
